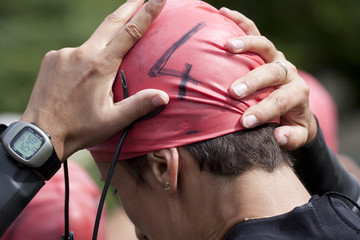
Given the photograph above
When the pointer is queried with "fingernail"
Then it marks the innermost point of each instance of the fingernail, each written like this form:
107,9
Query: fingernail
282,140
237,44
249,121
157,1
160,100
240,89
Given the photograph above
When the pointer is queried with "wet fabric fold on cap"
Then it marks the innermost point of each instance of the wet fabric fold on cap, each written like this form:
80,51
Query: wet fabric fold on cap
183,54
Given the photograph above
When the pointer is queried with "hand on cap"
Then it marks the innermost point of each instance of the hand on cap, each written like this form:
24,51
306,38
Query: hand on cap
290,99
72,98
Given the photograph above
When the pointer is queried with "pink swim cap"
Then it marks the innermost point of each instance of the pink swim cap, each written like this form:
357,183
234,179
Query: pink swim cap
324,108
183,54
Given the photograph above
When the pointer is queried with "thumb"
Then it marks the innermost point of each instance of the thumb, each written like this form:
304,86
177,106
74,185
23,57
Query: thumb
136,106
291,137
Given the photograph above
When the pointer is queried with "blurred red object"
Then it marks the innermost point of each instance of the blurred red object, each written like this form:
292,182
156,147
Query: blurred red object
43,218
324,108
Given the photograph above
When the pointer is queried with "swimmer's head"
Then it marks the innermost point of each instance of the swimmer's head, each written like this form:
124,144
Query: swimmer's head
183,54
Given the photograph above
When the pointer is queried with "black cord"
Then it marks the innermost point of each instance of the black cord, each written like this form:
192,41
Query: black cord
67,235
116,156
107,183
123,82
113,165
67,195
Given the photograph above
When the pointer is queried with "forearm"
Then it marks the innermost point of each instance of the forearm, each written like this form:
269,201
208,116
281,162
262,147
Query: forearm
18,186
321,172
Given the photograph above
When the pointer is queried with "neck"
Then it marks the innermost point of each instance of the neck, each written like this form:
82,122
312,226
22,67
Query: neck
254,194
265,194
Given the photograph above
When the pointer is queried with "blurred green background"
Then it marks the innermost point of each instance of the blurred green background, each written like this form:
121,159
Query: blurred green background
321,37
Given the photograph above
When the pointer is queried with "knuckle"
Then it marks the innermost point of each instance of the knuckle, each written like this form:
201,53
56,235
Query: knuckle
50,56
79,54
292,68
63,54
114,18
281,54
90,65
276,72
280,103
263,38
268,45
150,10
133,30
268,48
253,82
250,23
306,91
247,24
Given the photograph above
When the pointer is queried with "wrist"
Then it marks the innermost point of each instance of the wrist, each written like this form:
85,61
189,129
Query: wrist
48,127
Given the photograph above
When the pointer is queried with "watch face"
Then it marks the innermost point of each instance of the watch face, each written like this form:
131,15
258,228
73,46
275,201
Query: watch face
27,143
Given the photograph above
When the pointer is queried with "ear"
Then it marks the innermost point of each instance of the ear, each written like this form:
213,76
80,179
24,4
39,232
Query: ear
165,167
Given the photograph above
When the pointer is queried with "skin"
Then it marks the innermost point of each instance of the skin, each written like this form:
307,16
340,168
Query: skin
200,205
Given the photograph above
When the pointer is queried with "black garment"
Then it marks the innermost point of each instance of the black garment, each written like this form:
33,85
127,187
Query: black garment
323,218
320,171
18,185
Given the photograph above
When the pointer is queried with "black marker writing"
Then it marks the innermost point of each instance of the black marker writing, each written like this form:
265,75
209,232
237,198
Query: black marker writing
158,69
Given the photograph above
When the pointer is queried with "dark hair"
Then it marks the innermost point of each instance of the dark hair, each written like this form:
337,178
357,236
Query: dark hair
228,155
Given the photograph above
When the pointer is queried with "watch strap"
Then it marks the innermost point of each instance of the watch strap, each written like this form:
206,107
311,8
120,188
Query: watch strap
2,128
50,167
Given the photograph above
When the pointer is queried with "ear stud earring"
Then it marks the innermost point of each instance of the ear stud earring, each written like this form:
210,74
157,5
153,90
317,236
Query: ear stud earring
167,186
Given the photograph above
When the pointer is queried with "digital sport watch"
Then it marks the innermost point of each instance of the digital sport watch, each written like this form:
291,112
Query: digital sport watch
31,147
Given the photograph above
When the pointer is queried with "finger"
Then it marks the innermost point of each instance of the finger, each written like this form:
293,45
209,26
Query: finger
291,137
113,23
256,44
247,25
276,104
136,106
133,31
267,75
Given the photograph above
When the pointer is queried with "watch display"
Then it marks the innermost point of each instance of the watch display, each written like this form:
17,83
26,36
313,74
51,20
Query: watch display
27,143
